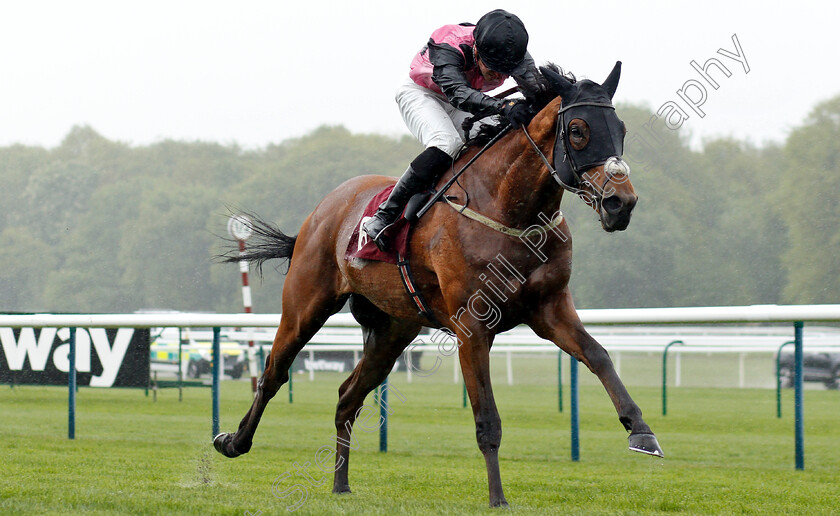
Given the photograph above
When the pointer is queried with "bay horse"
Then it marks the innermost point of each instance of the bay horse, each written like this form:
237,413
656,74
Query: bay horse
514,184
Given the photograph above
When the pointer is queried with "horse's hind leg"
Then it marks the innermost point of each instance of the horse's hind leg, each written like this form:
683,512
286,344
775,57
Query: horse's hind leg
305,310
383,344
558,322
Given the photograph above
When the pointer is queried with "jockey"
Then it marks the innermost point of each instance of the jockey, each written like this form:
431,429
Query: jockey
444,88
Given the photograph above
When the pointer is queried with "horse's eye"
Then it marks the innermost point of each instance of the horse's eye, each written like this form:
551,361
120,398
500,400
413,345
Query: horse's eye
578,134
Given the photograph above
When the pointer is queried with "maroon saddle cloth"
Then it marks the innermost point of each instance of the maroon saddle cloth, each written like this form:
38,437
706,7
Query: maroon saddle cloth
362,246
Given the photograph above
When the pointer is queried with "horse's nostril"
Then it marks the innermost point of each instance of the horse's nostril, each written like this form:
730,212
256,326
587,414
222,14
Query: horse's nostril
612,204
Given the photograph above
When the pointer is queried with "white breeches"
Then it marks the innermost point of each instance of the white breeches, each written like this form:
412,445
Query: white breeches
431,118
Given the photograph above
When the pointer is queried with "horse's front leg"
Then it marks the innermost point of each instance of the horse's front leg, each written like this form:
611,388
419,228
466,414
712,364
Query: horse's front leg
474,356
557,321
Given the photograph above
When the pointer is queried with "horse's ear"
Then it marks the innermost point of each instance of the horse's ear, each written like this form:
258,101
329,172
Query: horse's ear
558,83
612,80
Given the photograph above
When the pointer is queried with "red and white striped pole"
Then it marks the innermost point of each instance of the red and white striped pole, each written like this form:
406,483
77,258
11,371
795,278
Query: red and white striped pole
239,227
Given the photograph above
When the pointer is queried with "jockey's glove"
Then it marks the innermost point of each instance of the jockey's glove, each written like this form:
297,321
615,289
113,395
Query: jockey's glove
517,111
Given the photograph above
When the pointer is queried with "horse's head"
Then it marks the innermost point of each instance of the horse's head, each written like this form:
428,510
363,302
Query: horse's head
589,145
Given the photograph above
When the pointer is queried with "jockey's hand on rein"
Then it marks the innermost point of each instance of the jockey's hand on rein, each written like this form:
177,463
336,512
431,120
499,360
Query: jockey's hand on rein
518,112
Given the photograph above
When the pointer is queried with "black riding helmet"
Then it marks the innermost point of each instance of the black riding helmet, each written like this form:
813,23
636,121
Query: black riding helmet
501,42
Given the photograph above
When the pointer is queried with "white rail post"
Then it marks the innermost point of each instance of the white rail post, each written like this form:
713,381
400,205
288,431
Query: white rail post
311,365
240,228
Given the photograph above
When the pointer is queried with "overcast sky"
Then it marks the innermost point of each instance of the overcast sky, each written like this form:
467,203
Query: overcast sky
259,72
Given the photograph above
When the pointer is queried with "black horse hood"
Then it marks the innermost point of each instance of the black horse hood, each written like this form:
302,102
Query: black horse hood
591,102
606,130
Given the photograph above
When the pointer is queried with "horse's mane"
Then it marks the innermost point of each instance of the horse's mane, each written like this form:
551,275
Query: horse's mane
538,95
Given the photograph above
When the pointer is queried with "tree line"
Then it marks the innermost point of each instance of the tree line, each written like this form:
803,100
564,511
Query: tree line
95,225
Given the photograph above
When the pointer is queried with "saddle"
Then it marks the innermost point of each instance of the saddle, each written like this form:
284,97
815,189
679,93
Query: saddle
362,247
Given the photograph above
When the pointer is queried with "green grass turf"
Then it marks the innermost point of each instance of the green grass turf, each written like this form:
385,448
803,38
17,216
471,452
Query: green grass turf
726,453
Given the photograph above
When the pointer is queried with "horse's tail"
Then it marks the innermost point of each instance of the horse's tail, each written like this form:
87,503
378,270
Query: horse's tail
265,243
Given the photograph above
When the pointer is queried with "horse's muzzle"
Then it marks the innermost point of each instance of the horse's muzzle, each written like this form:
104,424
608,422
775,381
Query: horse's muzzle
616,211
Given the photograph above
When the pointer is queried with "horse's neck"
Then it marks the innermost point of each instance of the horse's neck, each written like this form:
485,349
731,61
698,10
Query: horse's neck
511,183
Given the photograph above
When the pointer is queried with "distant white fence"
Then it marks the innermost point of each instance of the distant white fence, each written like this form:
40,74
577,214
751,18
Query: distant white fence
610,327
599,317
342,333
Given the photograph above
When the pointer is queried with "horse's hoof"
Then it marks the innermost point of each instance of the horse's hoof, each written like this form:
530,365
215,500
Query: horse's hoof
345,489
645,443
221,441
500,503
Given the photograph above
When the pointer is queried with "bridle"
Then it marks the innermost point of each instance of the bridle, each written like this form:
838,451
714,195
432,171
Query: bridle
613,165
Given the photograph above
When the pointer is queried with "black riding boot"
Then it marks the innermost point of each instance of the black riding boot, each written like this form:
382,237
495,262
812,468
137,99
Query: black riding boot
421,174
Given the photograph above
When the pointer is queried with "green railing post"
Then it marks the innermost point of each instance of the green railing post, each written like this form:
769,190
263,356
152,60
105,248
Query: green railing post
180,366
383,413
217,374
779,379
665,376
575,421
559,380
798,405
464,394
71,387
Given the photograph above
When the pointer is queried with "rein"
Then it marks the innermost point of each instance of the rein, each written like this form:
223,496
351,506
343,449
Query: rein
551,169
596,195
436,197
